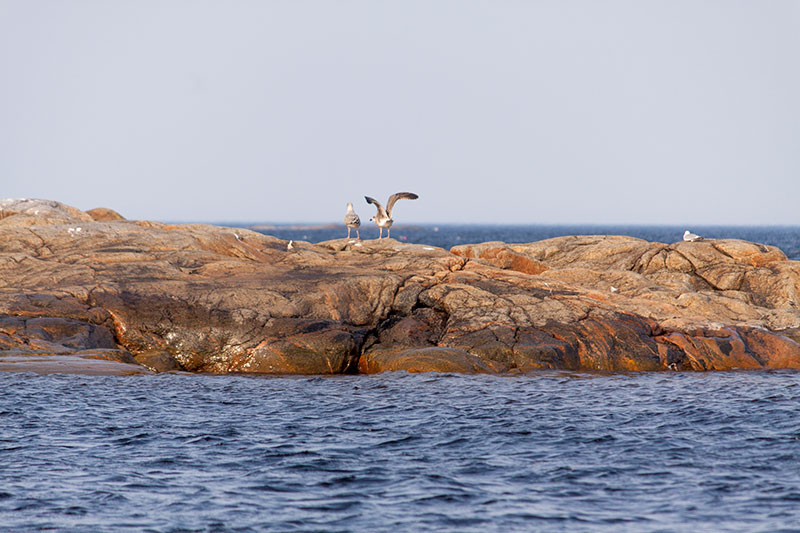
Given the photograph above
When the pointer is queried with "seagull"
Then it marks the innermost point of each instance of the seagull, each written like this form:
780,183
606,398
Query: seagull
691,237
383,218
290,245
351,220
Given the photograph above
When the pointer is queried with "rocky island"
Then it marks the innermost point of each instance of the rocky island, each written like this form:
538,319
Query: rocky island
92,292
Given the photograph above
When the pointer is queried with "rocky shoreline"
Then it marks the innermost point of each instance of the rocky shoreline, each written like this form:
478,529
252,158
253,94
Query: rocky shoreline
91,292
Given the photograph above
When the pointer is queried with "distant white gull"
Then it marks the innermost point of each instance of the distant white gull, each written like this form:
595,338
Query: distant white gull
691,237
352,221
383,218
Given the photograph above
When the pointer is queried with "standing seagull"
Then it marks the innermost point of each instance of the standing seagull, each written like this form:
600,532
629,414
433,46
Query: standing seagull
352,221
691,237
383,218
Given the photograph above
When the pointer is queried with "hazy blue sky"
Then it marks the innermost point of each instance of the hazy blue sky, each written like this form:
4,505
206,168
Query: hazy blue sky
683,112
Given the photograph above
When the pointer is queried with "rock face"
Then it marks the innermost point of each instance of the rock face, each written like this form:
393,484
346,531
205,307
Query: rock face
212,299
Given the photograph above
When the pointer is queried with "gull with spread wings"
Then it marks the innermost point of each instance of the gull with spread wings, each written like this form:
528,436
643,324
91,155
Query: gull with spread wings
383,218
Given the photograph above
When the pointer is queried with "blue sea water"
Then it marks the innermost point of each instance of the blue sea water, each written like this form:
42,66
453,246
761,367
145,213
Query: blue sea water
401,452
549,451
787,238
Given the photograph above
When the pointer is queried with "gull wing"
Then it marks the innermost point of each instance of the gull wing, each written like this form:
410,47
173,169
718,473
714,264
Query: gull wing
399,196
376,203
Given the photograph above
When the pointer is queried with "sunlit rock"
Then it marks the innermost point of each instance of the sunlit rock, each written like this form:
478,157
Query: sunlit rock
204,298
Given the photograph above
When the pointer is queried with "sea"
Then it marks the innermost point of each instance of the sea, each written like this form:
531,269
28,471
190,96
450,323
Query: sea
787,238
394,452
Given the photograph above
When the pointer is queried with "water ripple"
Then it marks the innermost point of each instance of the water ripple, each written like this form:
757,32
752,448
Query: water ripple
545,452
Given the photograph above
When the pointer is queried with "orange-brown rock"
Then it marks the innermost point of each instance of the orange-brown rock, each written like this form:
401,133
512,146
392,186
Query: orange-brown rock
212,299
428,359
103,214
501,255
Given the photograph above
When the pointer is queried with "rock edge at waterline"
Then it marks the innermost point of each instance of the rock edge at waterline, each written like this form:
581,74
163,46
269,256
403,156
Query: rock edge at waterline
143,296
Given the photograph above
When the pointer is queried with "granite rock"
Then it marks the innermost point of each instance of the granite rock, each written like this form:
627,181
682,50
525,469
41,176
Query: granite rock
205,298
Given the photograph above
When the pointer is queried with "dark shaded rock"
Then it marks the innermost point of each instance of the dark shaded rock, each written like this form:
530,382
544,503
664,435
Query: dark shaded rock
68,333
158,362
301,346
430,359
53,335
623,342
423,326
106,354
536,349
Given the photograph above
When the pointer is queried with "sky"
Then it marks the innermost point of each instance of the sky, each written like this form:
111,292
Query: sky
506,112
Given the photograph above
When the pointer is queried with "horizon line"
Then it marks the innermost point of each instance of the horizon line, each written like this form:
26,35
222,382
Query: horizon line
497,224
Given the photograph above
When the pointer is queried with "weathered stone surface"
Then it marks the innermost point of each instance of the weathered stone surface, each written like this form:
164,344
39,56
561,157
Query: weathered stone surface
501,255
32,211
301,346
212,299
158,361
68,364
103,214
431,359
53,335
120,356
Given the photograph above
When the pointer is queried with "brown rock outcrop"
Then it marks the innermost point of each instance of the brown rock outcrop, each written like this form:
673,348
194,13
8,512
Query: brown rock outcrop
212,299
103,214
502,256
430,359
